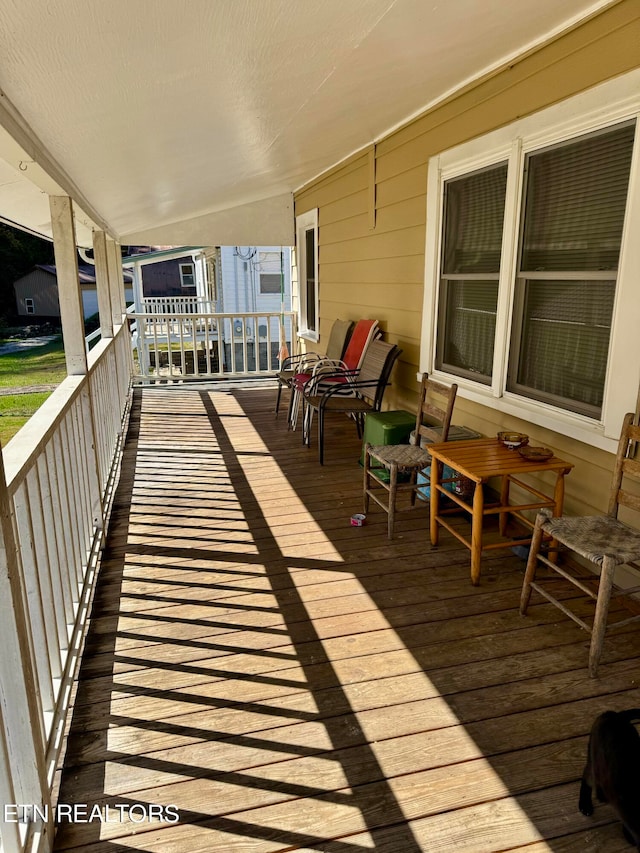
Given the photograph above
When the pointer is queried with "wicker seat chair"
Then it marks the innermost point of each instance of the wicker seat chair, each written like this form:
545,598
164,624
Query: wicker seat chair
385,465
604,541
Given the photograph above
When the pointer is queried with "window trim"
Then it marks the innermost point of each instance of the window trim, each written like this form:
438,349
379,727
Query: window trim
29,303
307,222
603,106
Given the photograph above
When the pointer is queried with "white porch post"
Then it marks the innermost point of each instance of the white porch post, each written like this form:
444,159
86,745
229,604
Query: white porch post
116,281
116,286
102,284
201,277
71,312
23,777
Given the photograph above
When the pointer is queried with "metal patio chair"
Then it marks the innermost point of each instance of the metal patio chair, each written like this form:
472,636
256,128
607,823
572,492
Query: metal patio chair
363,333
304,362
353,393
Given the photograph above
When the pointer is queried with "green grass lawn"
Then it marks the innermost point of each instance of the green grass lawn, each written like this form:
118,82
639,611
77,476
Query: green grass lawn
43,365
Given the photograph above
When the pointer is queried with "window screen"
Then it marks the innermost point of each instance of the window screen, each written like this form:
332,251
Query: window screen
574,204
471,251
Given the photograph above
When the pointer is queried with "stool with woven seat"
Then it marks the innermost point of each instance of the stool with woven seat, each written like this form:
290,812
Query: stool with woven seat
391,470
602,540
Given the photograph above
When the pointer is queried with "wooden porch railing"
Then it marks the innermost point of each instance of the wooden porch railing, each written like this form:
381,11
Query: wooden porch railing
56,489
172,344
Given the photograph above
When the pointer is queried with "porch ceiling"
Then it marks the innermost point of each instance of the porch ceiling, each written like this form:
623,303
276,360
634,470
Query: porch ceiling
172,122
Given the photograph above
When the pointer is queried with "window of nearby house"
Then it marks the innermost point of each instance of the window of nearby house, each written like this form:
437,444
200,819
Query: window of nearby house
187,275
29,305
529,296
269,282
270,272
307,266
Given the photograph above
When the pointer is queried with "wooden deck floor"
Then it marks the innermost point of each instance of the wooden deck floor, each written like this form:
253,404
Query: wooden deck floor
289,682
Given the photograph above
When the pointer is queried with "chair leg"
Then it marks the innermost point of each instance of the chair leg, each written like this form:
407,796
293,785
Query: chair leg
602,609
532,563
321,435
393,490
306,425
294,408
413,482
278,398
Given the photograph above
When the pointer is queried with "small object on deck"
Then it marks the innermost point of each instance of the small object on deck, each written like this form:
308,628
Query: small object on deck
512,440
358,520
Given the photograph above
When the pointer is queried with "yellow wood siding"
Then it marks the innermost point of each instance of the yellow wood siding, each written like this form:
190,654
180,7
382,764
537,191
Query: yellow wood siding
365,272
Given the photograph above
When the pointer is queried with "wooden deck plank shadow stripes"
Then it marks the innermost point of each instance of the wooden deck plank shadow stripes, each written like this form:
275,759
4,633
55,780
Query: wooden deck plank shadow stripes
289,682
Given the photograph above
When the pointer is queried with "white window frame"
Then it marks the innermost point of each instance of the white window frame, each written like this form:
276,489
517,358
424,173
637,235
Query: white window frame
603,106
182,266
304,223
29,305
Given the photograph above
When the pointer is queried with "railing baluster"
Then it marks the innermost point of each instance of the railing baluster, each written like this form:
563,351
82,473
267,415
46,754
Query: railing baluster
46,654
61,596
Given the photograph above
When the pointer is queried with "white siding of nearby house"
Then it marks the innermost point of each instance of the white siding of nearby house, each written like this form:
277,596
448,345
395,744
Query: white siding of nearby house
239,286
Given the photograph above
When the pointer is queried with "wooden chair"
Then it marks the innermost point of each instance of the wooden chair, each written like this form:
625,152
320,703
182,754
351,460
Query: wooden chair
295,364
384,465
353,393
603,541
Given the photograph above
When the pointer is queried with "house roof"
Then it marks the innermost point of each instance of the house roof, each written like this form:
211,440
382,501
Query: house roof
86,273
182,123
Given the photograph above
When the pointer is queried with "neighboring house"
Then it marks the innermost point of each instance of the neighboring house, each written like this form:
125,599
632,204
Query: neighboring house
37,292
253,278
168,272
496,237
232,279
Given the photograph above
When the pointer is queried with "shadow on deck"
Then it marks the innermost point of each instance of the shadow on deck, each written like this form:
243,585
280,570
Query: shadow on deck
289,682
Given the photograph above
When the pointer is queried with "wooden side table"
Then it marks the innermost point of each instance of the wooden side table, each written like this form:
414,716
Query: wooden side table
480,460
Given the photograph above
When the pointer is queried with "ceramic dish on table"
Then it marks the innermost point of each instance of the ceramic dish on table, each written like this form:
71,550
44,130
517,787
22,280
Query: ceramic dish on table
535,454
513,440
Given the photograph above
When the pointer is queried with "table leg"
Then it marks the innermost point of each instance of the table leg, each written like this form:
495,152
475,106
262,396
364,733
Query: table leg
558,501
476,533
504,501
558,494
434,500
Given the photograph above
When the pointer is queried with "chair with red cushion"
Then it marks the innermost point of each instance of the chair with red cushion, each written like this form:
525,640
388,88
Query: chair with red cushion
363,333
294,364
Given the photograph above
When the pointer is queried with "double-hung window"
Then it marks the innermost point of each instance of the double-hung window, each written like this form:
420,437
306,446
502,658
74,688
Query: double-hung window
470,270
307,268
187,275
573,202
525,302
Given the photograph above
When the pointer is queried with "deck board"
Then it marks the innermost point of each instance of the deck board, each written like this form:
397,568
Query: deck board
290,682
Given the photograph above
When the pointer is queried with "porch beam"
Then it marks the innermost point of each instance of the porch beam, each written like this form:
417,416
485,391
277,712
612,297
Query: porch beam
69,293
